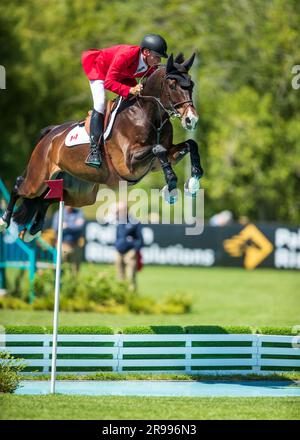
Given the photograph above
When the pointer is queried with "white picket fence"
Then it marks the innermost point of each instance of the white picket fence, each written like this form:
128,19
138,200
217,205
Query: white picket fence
233,358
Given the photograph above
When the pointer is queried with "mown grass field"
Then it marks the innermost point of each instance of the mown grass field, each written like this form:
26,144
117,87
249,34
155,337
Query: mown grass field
220,296
147,408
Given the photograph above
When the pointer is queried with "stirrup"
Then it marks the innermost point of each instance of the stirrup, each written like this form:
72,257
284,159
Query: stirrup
94,159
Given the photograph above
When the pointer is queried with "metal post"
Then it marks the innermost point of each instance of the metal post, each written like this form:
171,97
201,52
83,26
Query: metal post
32,270
56,298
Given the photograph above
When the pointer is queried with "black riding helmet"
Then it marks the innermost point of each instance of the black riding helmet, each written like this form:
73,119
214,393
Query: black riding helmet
156,43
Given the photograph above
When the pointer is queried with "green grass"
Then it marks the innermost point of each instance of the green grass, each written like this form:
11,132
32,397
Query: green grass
221,296
147,408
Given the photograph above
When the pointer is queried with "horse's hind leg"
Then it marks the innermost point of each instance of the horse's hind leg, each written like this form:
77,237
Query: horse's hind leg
169,192
14,196
38,223
162,154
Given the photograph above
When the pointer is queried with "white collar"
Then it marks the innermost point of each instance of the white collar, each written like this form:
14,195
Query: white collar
142,67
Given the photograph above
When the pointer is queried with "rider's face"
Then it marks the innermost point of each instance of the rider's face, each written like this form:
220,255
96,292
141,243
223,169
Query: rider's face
151,58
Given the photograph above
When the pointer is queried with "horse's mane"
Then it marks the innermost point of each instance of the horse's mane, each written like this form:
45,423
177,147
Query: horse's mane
155,73
176,70
152,81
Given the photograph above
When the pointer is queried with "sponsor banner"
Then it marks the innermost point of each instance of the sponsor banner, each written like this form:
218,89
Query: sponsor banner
249,246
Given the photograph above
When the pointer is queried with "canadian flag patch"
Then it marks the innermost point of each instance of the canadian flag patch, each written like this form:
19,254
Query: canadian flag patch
77,136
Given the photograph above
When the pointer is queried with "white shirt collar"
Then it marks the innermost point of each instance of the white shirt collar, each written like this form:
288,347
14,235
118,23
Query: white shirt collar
142,67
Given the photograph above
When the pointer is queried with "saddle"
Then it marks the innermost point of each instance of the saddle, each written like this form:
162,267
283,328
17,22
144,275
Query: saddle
80,134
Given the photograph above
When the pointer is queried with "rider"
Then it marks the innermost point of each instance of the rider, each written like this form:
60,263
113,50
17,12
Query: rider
115,69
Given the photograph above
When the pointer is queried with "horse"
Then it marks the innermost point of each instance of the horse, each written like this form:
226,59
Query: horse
141,141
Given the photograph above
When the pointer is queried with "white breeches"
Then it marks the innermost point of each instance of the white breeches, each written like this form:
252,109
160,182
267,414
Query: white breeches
98,92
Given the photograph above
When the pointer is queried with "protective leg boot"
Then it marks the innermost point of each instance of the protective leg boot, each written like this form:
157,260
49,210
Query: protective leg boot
96,130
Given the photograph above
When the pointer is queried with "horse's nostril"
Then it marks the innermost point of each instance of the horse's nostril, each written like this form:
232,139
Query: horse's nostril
188,120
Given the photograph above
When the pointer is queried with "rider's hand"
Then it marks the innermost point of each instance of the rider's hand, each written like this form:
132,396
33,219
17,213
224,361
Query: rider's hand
136,89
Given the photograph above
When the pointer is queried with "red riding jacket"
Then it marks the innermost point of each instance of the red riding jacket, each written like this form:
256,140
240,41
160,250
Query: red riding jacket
115,65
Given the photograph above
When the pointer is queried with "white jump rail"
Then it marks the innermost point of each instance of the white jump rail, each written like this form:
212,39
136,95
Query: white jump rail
254,357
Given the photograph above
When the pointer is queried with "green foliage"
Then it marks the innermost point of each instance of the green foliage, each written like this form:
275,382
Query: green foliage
215,329
9,302
91,291
153,329
288,331
70,330
159,330
83,330
248,133
44,281
177,303
10,370
142,305
24,329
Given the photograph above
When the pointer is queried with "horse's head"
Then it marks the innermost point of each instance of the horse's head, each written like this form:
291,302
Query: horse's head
178,88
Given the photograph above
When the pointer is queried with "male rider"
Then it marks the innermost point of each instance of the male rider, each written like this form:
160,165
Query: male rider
115,69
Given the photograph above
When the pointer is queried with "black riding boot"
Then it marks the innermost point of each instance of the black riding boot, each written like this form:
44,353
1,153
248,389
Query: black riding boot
96,131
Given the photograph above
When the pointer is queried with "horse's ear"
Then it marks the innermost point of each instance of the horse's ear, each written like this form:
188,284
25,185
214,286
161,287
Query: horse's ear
179,59
170,64
188,63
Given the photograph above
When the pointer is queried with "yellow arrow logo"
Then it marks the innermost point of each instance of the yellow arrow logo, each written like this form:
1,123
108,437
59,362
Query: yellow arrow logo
251,243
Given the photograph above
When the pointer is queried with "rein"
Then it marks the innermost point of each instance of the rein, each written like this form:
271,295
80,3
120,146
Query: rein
162,122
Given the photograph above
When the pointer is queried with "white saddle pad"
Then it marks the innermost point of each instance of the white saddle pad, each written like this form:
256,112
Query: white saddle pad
78,134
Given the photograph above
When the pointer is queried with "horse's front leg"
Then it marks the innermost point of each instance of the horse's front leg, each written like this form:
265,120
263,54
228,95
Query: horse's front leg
192,185
196,168
169,192
177,152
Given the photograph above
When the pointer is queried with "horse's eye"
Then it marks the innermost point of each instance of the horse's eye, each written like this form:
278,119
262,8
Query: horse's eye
173,86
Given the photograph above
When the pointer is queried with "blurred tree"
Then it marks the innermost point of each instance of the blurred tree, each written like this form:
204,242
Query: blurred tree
249,132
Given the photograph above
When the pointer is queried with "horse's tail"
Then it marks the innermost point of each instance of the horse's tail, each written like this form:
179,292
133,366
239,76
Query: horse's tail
45,131
26,211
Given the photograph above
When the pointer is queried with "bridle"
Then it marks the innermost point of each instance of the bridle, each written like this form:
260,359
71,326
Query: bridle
177,104
170,110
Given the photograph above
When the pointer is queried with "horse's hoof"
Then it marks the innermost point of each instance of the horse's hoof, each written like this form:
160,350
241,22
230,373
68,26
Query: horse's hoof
170,197
27,237
192,186
3,224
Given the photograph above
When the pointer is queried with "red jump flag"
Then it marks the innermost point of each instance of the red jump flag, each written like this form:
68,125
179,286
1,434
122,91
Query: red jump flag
56,189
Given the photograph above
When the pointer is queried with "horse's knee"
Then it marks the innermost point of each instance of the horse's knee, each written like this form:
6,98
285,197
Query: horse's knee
179,155
158,148
192,144
162,153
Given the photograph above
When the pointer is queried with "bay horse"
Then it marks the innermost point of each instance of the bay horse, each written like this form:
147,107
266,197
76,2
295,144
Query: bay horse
141,141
